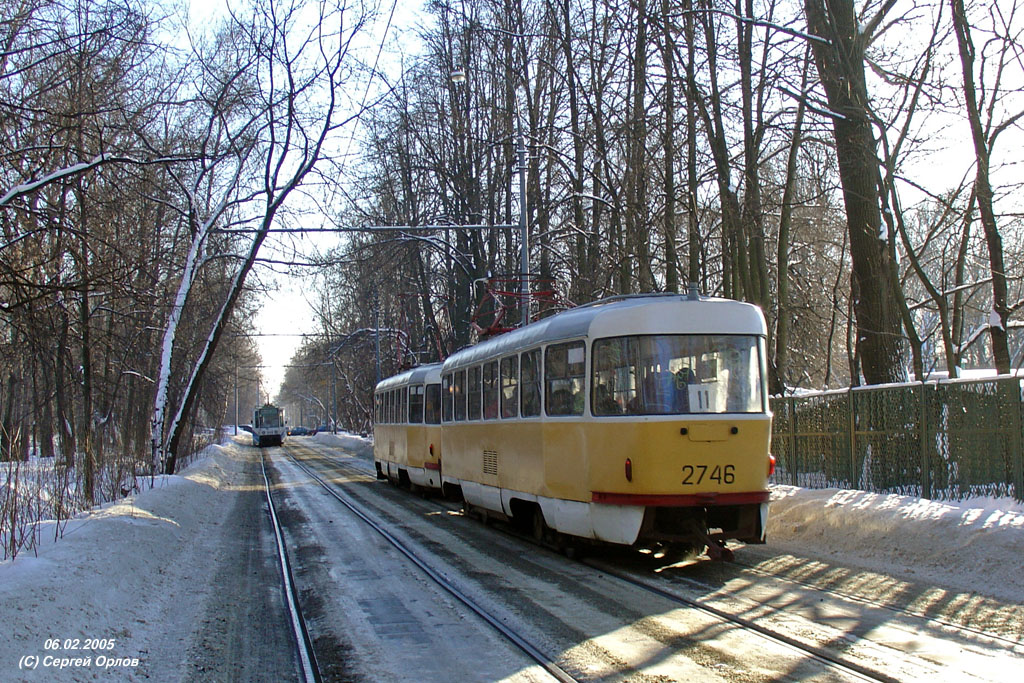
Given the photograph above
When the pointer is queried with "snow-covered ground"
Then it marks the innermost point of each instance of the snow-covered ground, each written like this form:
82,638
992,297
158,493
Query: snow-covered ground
130,576
976,545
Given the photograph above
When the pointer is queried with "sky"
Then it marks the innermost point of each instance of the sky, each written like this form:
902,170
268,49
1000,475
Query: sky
283,317
286,313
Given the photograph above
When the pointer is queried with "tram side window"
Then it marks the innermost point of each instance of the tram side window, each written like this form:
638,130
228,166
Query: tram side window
416,404
432,404
491,390
473,393
404,398
387,407
447,391
376,407
510,387
530,396
459,396
564,374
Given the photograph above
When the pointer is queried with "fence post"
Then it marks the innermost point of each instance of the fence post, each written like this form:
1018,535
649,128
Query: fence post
852,442
792,442
1017,439
922,432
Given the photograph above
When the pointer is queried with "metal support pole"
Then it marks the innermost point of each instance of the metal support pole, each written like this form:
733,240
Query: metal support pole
334,398
524,237
236,399
376,333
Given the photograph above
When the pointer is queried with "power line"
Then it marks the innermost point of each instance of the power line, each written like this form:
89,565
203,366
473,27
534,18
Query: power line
369,228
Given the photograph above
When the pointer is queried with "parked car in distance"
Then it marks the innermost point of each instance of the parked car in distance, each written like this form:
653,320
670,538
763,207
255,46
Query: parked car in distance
298,431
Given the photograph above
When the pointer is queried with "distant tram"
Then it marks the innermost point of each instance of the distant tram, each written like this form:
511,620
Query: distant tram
268,426
635,419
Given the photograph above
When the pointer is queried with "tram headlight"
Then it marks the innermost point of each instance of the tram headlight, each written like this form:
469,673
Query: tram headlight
629,469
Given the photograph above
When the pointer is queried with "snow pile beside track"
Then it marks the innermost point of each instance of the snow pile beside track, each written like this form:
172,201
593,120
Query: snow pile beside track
131,575
360,446
975,545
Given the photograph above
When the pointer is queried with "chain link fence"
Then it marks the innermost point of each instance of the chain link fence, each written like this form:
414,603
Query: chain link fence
947,440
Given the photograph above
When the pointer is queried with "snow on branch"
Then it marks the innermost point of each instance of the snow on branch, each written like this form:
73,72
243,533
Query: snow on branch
67,172
813,106
760,22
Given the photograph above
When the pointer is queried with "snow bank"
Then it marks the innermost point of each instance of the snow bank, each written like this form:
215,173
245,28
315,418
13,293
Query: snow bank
974,545
128,576
360,446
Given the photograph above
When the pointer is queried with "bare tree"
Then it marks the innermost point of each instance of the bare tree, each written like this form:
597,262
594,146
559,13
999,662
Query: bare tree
295,58
840,58
1003,50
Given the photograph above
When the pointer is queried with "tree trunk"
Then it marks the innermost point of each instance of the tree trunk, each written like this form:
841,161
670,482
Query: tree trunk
782,324
840,64
636,240
753,209
583,286
668,149
984,196
693,225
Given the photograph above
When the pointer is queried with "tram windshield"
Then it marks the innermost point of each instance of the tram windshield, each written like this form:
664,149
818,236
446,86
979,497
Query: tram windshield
677,374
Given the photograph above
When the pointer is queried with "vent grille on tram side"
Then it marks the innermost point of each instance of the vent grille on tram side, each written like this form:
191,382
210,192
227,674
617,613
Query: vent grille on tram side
491,462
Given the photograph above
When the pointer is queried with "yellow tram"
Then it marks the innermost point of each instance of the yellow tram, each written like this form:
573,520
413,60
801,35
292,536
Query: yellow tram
633,419
407,427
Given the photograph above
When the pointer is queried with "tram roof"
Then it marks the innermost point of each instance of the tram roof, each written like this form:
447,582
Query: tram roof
421,374
618,316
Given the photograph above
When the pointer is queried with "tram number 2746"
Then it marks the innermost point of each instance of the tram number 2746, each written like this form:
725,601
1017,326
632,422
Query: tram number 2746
695,474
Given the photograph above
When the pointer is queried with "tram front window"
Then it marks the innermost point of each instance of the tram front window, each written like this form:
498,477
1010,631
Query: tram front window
677,374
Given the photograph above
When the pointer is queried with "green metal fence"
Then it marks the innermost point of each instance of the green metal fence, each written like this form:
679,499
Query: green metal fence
939,440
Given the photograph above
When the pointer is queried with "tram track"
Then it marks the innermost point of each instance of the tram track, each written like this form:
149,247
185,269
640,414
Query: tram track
820,654
825,658
854,641
947,625
967,630
303,644
447,585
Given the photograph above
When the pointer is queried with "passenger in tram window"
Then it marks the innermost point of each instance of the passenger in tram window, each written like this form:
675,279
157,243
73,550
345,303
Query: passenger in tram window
530,394
604,402
509,387
560,402
492,390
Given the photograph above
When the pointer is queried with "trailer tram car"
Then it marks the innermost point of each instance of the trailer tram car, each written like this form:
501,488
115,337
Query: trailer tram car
407,428
632,420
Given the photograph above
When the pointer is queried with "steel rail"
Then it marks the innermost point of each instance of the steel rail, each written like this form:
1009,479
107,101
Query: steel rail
895,609
818,653
303,644
549,665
